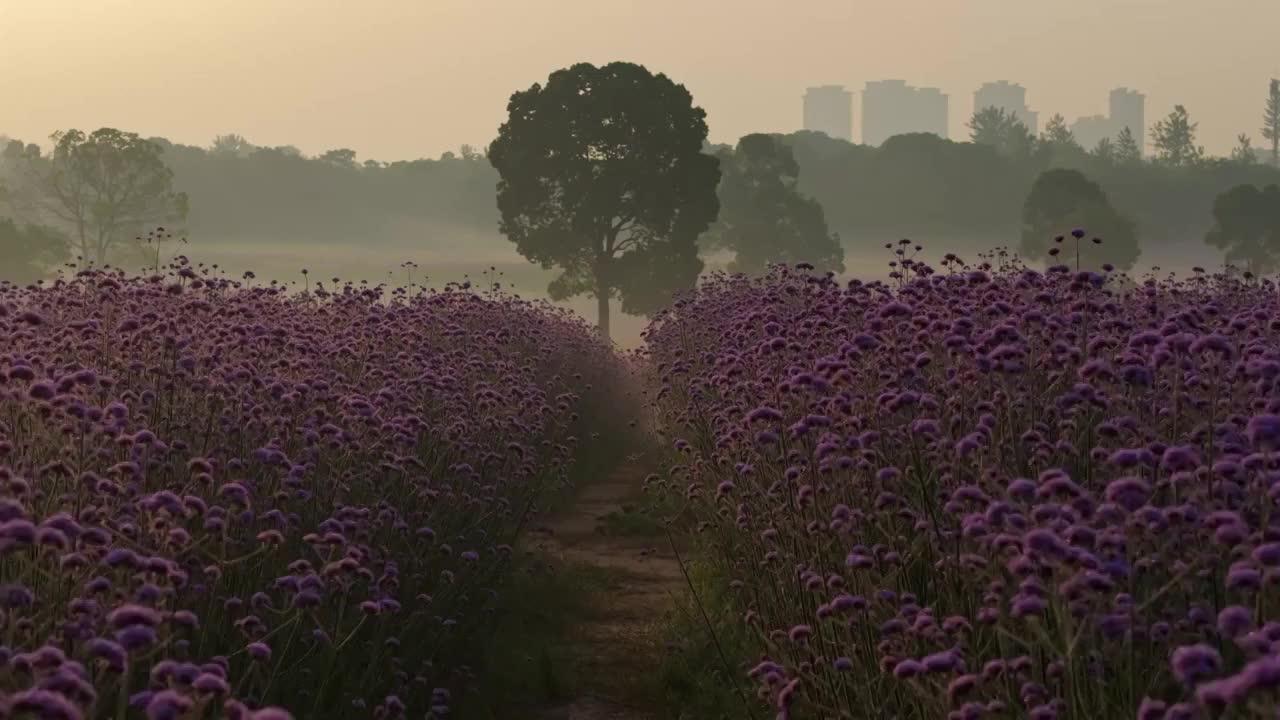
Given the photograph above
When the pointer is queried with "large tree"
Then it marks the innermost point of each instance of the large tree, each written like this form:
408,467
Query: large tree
602,175
1247,226
1062,200
1271,121
105,187
1174,139
1127,150
29,252
1002,130
763,218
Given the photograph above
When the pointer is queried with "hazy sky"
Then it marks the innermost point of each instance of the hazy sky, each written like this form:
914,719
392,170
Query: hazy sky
396,79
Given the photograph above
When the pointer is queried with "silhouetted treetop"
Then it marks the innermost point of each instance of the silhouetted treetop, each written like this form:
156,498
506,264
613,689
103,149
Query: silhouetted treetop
763,218
599,168
1247,226
1063,200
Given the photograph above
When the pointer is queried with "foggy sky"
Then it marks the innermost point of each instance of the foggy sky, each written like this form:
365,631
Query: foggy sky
401,79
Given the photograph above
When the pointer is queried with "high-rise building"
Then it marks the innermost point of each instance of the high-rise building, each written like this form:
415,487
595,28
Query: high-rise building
931,111
892,107
1010,97
1128,109
1089,131
829,109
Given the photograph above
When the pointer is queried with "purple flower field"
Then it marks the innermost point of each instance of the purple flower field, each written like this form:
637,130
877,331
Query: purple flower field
229,501
987,492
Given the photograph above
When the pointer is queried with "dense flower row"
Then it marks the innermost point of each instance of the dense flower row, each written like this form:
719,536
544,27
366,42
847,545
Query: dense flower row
988,492
215,499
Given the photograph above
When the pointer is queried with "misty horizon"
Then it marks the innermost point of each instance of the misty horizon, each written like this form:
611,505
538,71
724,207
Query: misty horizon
394,80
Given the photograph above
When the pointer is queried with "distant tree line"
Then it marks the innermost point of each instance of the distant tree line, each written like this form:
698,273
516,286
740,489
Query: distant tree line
605,173
921,185
240,192
911,186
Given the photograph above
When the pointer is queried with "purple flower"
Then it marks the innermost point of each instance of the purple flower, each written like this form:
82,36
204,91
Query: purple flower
907,669
940,662
1234,620
1264,431
168,705
43,704
1191,663
127,615
259,651
136,638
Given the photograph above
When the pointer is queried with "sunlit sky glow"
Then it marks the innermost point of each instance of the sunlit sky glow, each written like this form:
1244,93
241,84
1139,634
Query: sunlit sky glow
397,79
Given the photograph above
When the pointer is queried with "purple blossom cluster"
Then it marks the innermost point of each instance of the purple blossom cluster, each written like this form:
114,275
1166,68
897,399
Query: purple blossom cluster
987,492
228,501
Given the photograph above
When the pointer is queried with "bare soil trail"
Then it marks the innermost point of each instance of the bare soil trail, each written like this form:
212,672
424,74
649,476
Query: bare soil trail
615,648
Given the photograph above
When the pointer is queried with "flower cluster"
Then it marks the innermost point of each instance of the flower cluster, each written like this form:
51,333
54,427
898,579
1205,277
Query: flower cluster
227,501
987,491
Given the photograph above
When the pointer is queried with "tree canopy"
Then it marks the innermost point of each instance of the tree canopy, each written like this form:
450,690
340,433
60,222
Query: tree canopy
1001,130
602,175
1174,138
105,187
1128,152
1063,200
1271,121
1247,226
1058,146
763,218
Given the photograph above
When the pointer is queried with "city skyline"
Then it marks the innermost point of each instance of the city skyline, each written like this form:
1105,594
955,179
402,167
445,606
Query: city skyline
393,79
897,109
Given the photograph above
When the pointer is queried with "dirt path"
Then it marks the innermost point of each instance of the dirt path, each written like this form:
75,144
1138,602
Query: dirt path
616,644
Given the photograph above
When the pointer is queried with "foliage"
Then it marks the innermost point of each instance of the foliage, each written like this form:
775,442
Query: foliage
343,158
104,188
1058,146
1057,135
216,497
1128,152
985,491
1247,227
1243,152
908,188
602,175
277,194
1174,138
763,218
1105,150
1271,121
231,144
1060,203
1003,131
28,253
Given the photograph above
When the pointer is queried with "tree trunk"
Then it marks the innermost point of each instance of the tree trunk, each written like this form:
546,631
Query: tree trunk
602,287
84,244
602,311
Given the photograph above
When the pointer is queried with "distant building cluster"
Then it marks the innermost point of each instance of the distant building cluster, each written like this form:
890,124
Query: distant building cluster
1126,109
829,109
892,107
